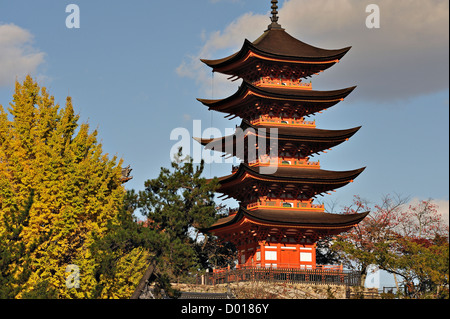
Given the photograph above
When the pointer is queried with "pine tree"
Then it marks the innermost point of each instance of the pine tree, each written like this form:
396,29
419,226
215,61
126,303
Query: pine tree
175,203
162,248
76,192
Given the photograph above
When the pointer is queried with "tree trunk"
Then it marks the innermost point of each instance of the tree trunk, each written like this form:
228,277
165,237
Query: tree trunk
147,274
396,282
363,275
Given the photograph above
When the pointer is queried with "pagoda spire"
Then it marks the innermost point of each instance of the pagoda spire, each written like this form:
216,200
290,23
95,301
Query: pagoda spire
274,17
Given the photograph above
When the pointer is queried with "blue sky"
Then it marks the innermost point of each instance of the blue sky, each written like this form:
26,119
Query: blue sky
132,70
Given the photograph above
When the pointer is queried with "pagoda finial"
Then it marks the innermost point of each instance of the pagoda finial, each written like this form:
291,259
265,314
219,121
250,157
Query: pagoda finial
274,18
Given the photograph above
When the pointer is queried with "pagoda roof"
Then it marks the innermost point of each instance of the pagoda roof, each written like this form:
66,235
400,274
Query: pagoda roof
247,90
293,175
125,174
285,132
248,93
290,218
310,140
307,182
275,44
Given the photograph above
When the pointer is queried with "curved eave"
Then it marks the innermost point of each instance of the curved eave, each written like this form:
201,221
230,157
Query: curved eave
294,175
330,57
310,134
280,43
289,133
246,90
280,46
225,221
290,218
303,218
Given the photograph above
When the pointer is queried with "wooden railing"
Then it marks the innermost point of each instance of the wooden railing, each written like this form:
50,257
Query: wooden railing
282,266
316,276
280,161
283,203
282,83
285,121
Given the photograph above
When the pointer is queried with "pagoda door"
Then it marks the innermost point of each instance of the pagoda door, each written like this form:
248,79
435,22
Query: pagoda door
289,258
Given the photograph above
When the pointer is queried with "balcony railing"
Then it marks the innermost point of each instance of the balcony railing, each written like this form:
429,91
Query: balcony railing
282,83
286,203
285,121
317,276
339,268
285,162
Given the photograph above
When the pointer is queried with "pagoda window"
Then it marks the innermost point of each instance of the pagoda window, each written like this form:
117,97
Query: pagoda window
287,204
271,255
305,257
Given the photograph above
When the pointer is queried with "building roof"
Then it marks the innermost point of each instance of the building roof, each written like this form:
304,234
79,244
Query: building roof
293,174
249,181
125,174
303,102
290,218
308,140
286,132
275,44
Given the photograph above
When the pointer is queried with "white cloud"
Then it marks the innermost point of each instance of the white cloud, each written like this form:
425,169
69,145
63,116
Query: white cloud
221,44
406,57
17,55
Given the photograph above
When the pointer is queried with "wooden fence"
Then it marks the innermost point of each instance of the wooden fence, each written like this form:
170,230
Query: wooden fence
288,275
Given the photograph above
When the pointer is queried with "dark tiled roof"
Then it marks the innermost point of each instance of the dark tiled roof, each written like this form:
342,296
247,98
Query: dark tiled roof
277,43
294,174
291,133
280,94
291,217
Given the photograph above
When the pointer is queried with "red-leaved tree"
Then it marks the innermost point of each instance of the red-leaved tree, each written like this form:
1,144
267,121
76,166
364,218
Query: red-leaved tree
406,240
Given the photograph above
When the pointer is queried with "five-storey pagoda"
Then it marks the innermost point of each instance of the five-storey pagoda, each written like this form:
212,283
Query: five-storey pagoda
277,223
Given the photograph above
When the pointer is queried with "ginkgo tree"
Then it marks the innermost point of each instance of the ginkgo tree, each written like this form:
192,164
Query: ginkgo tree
57,192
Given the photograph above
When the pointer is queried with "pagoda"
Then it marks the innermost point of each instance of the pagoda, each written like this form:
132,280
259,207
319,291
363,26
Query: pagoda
277,223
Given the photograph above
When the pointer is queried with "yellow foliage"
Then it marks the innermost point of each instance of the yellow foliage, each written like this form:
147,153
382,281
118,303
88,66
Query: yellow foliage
129,271
77,190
